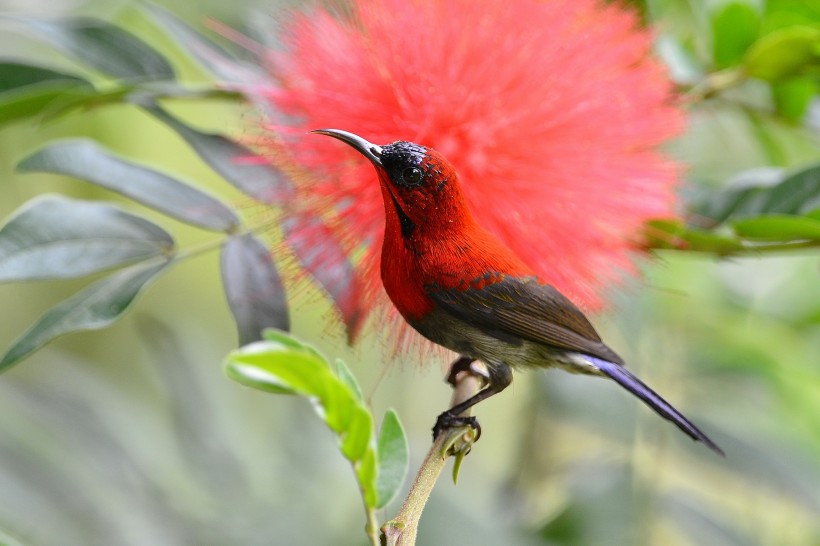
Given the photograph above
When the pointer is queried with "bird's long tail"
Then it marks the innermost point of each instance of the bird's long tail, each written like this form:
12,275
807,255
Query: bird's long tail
652,399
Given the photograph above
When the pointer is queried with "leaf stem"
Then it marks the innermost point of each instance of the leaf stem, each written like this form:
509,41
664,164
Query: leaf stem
198,249
372,526
213,244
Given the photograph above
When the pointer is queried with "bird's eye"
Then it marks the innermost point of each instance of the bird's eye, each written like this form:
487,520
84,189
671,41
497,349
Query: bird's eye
411,176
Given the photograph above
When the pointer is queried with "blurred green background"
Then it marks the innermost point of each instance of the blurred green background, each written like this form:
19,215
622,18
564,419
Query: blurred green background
133,435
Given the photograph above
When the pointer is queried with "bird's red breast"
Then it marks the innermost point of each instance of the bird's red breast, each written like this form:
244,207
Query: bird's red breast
457,255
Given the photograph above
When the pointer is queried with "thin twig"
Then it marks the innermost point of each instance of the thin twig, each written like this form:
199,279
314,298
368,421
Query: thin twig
714,84
402,530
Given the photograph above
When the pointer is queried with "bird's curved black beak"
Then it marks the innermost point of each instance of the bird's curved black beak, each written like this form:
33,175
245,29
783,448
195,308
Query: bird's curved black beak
367,149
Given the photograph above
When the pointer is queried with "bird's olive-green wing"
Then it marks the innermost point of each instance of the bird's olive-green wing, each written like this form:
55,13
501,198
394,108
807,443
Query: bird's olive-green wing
527,309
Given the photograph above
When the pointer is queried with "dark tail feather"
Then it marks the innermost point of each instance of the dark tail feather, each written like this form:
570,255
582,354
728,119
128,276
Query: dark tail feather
652,399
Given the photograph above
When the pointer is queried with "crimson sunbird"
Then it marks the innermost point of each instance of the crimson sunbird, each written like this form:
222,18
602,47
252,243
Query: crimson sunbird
460,287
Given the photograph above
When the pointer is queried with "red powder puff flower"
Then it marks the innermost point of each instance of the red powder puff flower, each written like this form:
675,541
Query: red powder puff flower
552,112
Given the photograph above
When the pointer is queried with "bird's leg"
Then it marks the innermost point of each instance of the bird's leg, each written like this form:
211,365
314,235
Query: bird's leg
500,376
465,364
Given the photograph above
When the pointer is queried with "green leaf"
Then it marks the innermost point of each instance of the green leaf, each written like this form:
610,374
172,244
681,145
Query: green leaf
212,56
95,307
783,53
237,164
27,90
53,237
348,378
281,364
394,458
778,228
15,76
797,194
706,241
793,96
253,287
672,234
787,13
284,338
734,28
86,160
105,47
367,475
664,234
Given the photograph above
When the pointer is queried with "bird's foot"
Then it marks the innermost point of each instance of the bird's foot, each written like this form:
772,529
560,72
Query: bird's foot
447,420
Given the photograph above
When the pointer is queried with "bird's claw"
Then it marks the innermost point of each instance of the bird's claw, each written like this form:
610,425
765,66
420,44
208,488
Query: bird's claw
447,420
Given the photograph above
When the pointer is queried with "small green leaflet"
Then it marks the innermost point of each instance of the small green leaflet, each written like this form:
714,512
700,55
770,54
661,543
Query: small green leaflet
54,237
252,285
93,308
281,364
86,160
104,47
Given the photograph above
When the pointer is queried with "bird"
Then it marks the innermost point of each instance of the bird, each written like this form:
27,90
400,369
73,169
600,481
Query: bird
460,287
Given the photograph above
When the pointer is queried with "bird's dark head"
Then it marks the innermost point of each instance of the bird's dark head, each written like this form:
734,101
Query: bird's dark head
418,183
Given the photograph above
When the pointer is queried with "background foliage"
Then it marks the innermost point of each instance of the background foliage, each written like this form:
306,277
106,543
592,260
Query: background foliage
133,435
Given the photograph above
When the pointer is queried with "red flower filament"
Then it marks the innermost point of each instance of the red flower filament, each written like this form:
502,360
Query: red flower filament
552,113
